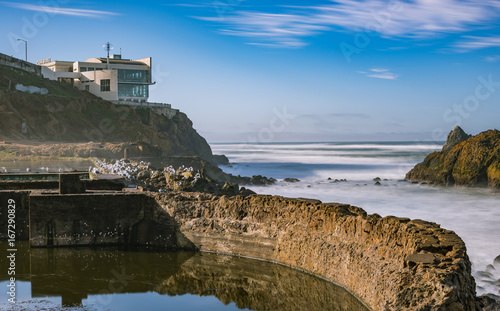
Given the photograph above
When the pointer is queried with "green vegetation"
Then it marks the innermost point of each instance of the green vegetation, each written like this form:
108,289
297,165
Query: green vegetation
143,113
18,76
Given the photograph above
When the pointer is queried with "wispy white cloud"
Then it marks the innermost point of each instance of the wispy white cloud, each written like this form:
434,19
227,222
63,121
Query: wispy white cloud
379,73
474,43
59,10
492,59
275,29
412,18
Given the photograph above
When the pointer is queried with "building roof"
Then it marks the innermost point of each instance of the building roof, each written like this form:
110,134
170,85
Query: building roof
120,61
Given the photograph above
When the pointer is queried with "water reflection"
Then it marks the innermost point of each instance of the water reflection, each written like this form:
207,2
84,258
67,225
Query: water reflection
112,279
44,166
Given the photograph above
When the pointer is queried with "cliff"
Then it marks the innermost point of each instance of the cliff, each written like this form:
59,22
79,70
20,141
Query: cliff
473,162
66,115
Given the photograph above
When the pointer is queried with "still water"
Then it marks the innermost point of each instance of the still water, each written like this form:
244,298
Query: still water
44,166
114,279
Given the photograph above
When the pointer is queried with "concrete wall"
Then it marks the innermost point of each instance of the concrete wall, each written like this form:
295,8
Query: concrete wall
93,80
19,63
390,263
21,219
93,219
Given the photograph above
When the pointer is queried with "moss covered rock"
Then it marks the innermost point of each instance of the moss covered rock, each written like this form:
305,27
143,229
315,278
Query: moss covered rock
473,162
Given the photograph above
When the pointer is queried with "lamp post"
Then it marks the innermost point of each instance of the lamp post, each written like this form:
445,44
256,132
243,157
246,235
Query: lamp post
25,48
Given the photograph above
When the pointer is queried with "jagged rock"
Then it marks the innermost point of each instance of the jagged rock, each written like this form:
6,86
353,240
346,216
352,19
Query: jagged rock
261,180
291,180
455,137
377,179
489,304
143,175
474,162
244,191
230,189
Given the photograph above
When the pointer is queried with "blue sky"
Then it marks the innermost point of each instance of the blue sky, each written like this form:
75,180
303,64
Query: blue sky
260,71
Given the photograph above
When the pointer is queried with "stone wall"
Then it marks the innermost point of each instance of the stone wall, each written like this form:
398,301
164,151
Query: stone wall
19,63
389,263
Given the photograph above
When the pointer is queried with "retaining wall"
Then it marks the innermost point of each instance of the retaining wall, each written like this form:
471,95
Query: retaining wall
98,219
19,63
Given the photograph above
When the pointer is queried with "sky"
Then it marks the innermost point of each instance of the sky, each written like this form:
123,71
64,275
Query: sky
281,71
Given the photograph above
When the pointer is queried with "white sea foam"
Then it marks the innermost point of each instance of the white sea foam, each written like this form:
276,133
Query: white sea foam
474,214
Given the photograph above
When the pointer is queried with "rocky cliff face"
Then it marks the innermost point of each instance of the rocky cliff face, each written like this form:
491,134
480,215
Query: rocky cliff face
473,162
390,263
66,115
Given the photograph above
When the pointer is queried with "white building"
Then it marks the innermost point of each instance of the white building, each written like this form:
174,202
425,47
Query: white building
119,81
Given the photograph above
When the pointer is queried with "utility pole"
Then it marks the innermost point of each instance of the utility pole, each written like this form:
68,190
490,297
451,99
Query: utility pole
108,47
25,48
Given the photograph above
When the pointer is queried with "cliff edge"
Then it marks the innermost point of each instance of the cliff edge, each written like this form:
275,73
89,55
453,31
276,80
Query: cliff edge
62,115
474,161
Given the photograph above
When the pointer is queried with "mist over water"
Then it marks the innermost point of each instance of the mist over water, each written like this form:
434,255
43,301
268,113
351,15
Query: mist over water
473,213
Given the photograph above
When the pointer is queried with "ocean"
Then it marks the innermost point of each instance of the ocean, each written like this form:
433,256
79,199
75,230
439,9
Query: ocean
345,173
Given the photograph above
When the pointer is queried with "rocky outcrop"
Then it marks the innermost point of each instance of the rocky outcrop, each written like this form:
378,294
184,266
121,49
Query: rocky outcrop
455,137
474,162
390,263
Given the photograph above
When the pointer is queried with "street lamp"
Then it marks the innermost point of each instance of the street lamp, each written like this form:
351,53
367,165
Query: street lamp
25,48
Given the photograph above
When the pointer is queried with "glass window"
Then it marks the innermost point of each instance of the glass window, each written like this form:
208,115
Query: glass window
127,75
133,90
105,85
91,68
83,69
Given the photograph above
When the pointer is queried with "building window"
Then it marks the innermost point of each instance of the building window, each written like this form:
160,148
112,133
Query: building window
132,90
127,75
91,69
105,85
87,88
83,69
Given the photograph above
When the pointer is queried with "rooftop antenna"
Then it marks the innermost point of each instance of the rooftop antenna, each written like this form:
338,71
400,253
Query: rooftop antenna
108,47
